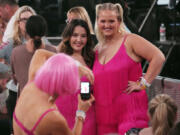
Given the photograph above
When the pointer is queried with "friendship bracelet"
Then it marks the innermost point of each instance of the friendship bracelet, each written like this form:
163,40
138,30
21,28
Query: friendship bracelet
142,87
81,114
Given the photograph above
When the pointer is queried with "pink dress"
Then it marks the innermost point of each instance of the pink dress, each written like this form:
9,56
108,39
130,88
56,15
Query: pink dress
67,105
116,111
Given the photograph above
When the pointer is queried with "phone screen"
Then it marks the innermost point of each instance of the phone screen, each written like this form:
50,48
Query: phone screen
85,90
85,87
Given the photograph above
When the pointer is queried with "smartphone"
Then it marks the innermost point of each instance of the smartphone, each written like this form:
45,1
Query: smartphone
85,91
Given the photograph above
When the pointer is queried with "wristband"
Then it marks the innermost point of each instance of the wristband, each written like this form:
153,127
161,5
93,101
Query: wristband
144,82
80,113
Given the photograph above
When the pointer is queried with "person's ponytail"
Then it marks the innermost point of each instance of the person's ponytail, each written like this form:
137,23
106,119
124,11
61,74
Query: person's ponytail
36,28
37,42
159,121
162,111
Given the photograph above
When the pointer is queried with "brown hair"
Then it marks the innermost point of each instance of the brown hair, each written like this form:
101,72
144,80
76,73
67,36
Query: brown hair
87,51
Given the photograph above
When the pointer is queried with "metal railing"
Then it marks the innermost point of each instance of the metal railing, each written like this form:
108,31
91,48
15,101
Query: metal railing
167,86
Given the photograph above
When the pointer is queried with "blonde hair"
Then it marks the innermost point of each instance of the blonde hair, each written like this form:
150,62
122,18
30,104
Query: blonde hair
82,14
112,7
162,110
17,35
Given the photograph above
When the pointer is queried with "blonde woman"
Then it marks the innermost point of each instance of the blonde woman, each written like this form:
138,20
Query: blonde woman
18,36
21,16
119,86
162,112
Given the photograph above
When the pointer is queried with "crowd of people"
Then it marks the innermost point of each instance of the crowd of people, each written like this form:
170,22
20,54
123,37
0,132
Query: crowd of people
44,82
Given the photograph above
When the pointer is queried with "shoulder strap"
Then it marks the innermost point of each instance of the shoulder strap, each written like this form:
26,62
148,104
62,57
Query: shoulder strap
125,36
21,125
42,116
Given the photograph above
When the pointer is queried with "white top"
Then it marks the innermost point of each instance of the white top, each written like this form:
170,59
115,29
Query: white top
11,86
8,33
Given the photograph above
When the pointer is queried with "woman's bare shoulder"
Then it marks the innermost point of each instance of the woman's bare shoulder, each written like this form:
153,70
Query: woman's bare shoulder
56,123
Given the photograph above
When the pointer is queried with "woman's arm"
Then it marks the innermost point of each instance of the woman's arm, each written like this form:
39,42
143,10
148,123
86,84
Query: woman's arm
38,59
83,106
59,124
84,71
138,47
151,53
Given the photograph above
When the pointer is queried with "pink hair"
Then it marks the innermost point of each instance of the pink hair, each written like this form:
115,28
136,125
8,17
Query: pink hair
59,75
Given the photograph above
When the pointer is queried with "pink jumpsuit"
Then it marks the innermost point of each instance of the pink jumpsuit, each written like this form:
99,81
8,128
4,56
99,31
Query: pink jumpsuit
116,111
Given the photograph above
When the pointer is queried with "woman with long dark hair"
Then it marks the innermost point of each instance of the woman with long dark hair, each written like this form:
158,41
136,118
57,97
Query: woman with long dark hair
77,42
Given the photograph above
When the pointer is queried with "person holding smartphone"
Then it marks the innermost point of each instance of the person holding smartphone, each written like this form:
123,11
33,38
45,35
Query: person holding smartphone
39,115
77,42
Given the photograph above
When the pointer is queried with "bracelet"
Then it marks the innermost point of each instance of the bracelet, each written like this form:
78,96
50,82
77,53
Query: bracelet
142,87
80,118
81,114
144,82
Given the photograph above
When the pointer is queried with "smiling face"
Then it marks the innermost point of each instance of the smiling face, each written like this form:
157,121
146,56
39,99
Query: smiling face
108,23
78,39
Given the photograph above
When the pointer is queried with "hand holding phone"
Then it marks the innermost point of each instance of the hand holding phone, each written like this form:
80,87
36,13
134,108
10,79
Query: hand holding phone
85,91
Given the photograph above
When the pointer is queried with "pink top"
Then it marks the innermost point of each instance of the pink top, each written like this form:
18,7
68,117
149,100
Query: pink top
27,131
112,105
